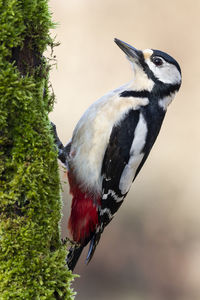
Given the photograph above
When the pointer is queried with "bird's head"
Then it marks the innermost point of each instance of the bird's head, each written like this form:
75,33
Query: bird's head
152,67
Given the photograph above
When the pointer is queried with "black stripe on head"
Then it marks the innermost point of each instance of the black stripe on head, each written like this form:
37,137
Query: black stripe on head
146,68
166,57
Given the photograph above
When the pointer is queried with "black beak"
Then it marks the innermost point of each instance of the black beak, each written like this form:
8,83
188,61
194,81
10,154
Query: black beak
132,53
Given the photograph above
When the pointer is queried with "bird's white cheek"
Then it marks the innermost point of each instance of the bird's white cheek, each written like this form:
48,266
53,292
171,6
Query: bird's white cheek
167,73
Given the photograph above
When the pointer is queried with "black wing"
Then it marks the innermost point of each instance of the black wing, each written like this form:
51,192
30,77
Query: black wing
117,155
115,159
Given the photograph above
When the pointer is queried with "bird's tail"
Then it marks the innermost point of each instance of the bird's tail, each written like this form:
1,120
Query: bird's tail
73,256
93,244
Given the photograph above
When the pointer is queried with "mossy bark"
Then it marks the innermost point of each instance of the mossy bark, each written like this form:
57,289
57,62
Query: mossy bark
32,258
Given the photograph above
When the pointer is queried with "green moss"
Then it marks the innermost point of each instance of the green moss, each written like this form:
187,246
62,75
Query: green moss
32,258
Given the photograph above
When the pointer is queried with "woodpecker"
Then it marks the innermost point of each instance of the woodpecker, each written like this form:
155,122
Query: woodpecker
112,141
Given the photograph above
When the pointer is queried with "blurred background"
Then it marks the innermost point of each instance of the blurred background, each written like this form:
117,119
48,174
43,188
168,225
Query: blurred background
151,249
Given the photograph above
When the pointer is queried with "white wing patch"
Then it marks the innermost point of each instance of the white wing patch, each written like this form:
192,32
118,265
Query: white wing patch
136,156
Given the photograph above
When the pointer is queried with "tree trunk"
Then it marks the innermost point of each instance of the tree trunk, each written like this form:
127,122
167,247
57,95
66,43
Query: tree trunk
32,258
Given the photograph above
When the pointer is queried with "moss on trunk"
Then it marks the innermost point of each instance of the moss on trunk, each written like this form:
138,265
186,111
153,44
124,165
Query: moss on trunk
32,258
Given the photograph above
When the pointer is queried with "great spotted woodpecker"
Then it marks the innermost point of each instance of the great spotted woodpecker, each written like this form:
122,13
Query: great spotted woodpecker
111,142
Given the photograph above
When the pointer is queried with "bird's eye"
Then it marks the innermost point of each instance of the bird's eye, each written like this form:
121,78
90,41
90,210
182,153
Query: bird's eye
157,61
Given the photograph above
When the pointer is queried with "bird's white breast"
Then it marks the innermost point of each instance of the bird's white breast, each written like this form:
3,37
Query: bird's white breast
92,133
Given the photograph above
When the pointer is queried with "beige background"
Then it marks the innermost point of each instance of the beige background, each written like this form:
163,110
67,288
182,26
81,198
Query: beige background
151,250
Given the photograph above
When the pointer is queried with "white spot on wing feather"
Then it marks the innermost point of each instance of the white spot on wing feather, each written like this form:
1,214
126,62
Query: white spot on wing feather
113,194
106,211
